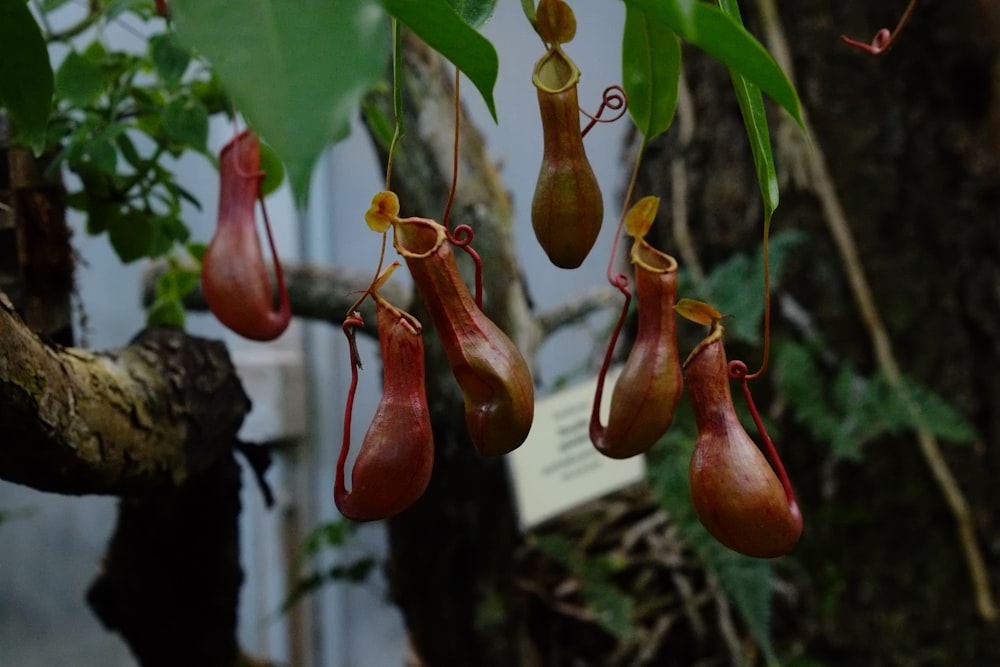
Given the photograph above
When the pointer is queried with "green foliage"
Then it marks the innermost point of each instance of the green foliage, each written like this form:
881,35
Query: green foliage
333,535
755,120
612,608
26,81
474,12
438,24
728,285
651,68
118,117
296,71
847,410
726,40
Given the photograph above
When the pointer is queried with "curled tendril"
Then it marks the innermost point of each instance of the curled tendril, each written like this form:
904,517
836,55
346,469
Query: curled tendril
884,38
461,237
621,282
738,370
615,99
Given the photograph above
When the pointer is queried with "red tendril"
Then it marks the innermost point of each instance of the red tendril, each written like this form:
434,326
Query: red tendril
615,99
349,326
883,39
461,238
739,371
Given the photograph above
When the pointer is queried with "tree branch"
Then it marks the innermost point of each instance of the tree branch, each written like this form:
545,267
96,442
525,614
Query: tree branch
315,293
144,417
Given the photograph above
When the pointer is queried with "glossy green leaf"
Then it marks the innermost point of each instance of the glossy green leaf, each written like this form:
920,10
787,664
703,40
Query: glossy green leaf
755,119
79,80
169,58
710,29
474,12
296,71
437,23
26,82
651,68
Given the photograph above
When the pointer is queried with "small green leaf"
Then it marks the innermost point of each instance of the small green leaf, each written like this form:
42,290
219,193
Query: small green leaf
166,311
274,170
197,250
296,70
186,122
131,234
79,80
168,57
118,7
934,413
128,150
651,69
26,82
437,23
614,609
381,127
711,30
102,154
755,119
474,12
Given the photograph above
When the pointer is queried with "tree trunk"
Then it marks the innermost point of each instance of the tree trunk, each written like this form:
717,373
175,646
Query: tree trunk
911,142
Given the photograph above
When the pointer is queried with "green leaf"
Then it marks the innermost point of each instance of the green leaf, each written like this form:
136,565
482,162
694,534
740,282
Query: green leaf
381,127
118,7
711,30
614,609
131,234
296,71
274,171
755,120
934,413
166,311
186,122
474,12
103,155
79,80
651,69
437,23
26,82
168,57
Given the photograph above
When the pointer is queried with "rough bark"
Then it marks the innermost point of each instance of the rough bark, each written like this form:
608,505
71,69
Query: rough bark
170,581
36,259
144,417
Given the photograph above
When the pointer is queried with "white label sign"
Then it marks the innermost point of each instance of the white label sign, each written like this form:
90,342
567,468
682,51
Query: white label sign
557,467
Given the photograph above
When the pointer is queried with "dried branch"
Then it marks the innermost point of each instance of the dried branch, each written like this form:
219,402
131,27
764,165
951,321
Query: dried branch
577,309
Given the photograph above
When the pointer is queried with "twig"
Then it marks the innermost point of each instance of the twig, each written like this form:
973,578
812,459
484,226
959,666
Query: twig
836,220
576,310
